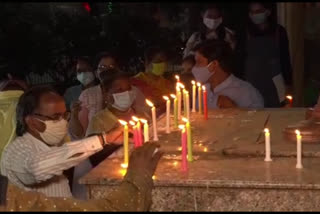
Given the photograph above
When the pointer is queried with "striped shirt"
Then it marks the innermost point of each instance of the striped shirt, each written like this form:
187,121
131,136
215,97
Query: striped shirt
34,166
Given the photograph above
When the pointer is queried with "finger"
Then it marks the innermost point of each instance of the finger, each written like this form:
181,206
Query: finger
151,149
155,161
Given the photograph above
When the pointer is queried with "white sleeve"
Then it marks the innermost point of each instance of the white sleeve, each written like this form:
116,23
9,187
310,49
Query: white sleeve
190,44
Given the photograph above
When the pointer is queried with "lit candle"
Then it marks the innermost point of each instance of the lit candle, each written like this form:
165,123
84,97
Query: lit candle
289,97
145,130
299,150
184,162
138,128
135,134
189,139
188,105
125,143
154,120
180,86
268,146
168,114
175,110
194,92
199,97
205,102
177,78
185,103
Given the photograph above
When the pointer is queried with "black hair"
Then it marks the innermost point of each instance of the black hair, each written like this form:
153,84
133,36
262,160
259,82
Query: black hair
85,59
107,80
105,55
151,52
217,50
27,104
189,59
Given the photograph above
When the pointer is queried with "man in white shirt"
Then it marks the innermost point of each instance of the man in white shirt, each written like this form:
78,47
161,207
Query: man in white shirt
214,67
36,159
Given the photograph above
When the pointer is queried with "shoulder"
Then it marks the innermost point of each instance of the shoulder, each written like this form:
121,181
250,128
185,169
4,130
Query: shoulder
194,36
229,31
20,147
89,91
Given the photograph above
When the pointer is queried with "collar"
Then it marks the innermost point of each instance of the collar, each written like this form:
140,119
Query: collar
226,83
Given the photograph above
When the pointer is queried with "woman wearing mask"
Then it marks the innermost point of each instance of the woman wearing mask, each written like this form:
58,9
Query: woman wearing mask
267,63
212,27
85,76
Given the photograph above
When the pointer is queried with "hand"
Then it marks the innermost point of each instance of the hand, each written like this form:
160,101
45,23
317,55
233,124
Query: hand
75,108
225,102
144,160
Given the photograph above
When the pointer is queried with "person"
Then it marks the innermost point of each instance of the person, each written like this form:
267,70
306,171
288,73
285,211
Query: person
214,67
86,77
91,99
156,63
267,61
133,194
36,159
186,74
212,27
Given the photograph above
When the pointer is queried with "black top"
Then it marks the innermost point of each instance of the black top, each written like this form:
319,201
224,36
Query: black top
3,189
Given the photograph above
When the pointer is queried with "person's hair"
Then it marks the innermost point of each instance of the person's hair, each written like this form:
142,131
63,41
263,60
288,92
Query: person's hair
107,80
221,33
27,104
84,59
217,50
190,59
103,55
151,52
253,29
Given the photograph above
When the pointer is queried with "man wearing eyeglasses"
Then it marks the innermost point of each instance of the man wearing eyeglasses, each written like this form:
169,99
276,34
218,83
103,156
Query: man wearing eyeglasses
36,159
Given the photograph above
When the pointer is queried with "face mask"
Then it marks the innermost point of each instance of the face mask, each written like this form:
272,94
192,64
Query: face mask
212,24
85,78
158,69
259,18
124,100
202,74
55,131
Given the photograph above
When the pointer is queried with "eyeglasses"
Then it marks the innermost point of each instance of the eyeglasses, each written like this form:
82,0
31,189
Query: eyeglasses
105,67
56,117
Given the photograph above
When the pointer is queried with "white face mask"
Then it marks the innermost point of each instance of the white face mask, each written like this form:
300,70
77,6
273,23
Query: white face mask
55,131
124,100
259,18
85,78
212,24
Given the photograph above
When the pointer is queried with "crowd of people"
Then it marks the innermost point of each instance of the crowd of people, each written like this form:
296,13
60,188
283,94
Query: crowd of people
60,138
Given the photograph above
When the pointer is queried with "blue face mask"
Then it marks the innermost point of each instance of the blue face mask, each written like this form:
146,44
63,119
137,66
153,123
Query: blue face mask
202,74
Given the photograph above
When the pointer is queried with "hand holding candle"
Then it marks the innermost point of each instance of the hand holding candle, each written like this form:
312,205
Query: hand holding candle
167,113
194,92
154,120
268,146
125,143
299,150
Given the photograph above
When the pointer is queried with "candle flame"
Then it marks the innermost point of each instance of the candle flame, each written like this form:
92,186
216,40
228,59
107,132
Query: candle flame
177,77
144,121
185,119
205,149
175,163
289,97
165,97
123,172
173,96
122,122
149,103
154,177
124,165
181,126
297,132
203,88
266,130
180,85
132,123
193,82
180,148
198,84
134,118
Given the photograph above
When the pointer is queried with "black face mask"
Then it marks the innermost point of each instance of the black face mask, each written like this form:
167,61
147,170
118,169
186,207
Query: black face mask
3,190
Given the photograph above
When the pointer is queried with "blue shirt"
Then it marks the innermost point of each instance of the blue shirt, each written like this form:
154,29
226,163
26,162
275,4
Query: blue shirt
239,91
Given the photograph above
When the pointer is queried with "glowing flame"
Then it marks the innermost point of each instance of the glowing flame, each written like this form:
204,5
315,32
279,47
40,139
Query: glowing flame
177,77
297,132
181,126
180,148
173,96
175,163
193,82
154,177
203,87
122,122
132,123
149,103
180,85
185,119
165,97
205,149
144,121
123,172
134,118
199,84
289,97
124,165
266,130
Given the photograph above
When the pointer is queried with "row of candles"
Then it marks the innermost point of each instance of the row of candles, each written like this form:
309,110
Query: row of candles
299,148
182,95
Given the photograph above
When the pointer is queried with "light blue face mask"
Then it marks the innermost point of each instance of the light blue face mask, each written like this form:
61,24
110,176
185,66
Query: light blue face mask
202,74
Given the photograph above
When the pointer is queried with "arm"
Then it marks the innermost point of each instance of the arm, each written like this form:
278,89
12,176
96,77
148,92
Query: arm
75,127
190,44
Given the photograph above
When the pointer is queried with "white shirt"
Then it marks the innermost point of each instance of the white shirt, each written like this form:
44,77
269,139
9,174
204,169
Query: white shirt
239,91
34,166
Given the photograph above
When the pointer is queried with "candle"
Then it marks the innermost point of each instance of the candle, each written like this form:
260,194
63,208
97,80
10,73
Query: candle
135,134
189,139
138,128
154,120
179,99
125,143
168,114
268,146
177,78
299,152
184,163
289,97
199,97
185,103
193,95
145,130
205,102
175,110
188,105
